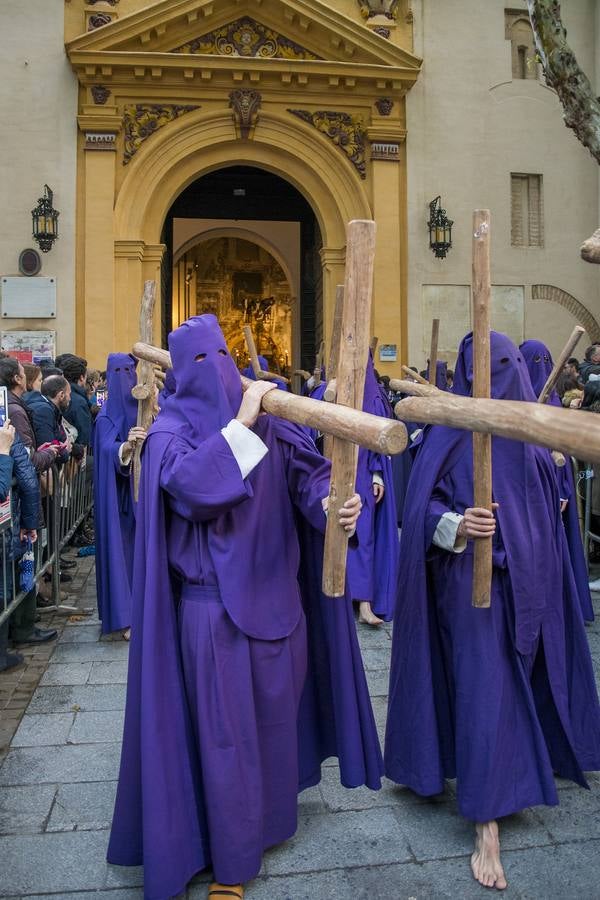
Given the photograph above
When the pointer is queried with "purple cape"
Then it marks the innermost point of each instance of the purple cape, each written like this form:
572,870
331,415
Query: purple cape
540,364
169,388
498,698
114,513
241,552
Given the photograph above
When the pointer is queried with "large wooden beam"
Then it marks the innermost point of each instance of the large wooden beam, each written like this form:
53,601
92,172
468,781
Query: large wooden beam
351,370
559,365
482,443
259,373
433,351
334,356
373,432
144,389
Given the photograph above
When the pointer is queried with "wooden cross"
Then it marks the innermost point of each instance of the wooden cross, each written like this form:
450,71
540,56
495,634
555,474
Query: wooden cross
259,373
559,365
433,352
144,389
351,370
332,364
382,435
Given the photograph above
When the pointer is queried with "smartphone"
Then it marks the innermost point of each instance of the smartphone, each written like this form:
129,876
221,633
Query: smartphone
100,397
3,405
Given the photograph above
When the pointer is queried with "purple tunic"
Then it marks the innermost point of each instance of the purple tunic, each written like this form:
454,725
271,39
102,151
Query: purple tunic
114,513
498,698
227,714
539,364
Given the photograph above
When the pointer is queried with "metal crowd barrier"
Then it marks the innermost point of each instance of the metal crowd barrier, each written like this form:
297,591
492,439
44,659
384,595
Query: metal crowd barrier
67,496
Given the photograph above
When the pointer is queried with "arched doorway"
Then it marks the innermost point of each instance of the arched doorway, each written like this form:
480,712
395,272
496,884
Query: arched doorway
245,244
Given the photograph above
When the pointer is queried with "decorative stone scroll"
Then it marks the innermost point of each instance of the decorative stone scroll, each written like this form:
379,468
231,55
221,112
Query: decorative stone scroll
385,151
142,120
343,129
382,31
245,105
110,2
248,38
97,20
100,94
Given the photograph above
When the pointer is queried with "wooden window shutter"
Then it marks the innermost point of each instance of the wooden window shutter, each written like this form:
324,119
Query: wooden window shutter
517,185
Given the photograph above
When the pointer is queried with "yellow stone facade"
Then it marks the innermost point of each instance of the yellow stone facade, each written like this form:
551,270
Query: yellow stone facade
313,92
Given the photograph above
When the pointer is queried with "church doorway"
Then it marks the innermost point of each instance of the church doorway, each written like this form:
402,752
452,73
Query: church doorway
244,244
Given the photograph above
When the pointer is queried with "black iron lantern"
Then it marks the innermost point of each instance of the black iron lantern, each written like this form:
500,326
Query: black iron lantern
440,229
45,221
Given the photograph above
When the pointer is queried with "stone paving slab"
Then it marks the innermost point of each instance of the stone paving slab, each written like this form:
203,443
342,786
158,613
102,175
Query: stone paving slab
25,809
102,651
43,730
75,698
97,727
64,765
334,842
114,672
53,863
66,673
83,806
88,634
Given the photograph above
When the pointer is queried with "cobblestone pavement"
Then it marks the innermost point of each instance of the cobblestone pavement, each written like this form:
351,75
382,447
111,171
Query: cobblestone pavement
58,780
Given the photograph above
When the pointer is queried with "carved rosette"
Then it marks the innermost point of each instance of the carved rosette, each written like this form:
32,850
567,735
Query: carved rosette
371,8
343,129
245,105
100,94
382,31
142,120
245,37
384,106
109,2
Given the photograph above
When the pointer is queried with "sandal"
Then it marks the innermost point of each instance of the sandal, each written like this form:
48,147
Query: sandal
225,891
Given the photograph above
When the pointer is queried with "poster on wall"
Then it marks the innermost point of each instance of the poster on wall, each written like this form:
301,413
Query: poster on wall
388,353
29,346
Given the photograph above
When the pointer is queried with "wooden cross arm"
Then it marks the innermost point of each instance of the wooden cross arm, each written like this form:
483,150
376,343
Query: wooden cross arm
413,388
533,423
373,432
414,375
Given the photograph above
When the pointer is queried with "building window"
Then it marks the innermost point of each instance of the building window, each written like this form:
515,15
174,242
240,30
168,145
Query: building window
517,30
526,211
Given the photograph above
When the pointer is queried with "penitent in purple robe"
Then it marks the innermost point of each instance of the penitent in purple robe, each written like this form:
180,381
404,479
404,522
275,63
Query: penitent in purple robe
539,365
248,372
441,368
241,679
500,698
114,512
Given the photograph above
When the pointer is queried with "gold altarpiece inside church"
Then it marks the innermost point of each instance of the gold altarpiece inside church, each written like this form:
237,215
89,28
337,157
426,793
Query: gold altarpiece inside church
310,91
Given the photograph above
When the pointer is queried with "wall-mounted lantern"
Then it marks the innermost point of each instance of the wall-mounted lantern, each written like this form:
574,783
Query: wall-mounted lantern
45,221
440,229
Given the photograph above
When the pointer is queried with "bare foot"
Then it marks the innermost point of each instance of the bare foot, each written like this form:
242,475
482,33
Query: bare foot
127,634
366,616
485,861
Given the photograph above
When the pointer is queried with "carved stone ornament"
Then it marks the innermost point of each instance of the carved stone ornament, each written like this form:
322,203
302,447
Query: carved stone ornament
245,37
142,120
382,31
97,20
345,131
110,2
386,152
100,94
387,8
245,105
100,140
384,106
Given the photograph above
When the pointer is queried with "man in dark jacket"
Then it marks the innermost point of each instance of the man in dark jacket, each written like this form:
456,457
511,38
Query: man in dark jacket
46,410
78,412
590,365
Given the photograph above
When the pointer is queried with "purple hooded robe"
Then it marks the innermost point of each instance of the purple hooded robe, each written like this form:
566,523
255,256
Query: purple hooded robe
248,372
500,698
114,512
230,711
539,365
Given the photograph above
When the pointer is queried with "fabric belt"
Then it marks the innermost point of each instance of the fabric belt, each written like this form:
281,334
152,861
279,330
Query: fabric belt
201,593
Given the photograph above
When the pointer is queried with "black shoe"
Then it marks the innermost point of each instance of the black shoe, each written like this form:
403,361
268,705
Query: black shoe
38,636
67,563
10,661
65,578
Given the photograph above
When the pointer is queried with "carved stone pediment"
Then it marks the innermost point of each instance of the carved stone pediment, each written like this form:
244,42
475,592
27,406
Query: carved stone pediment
248,38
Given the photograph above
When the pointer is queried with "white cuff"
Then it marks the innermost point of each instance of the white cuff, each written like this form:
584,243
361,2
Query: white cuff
125,454
415,434
445,535
378,478
247,447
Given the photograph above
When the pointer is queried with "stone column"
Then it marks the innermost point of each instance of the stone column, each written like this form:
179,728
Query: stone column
389,208
333,260
96,302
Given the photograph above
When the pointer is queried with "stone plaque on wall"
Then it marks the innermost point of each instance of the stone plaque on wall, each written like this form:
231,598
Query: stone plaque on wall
508,310
451,304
